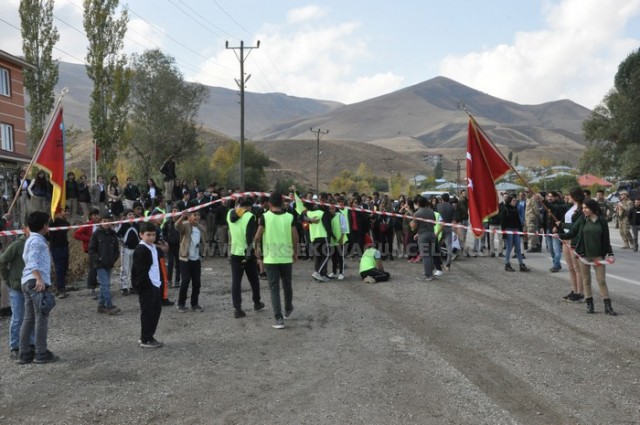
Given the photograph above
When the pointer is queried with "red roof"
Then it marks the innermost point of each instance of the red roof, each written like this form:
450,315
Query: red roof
590,180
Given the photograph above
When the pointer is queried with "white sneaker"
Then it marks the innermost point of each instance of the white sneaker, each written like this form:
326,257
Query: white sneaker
317,276
369,279
438,273
332,276
340,276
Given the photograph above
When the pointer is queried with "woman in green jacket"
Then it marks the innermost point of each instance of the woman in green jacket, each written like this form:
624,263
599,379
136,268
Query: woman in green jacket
591,233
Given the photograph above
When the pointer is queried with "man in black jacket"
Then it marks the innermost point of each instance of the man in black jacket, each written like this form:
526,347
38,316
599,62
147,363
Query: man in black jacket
168,170
104,251
145,276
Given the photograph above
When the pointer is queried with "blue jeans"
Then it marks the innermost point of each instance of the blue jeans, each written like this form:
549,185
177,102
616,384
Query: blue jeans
104,280
426,242
275,273
16,297
34,323
555,250
513,241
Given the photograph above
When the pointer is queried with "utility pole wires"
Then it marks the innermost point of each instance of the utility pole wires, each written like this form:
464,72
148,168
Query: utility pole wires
241,57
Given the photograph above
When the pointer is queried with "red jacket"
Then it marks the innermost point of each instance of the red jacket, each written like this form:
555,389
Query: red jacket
83,234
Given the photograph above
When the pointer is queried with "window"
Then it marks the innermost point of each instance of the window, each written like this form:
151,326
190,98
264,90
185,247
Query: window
5,86
6,137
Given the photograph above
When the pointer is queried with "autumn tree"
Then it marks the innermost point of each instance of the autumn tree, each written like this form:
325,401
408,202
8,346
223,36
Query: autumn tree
38,38
106,67
226,164
164,111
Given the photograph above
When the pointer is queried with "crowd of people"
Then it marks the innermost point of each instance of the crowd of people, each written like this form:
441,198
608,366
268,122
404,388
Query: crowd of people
263,236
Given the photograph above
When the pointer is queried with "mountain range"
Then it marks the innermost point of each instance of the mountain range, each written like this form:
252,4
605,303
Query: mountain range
391,132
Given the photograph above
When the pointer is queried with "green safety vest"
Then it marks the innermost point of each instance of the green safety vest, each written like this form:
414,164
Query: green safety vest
316,230
277,242
336,229
437,226
238,231
368,261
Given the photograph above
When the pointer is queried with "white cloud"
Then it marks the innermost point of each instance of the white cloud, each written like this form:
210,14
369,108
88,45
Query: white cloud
575,56
314,60
306,13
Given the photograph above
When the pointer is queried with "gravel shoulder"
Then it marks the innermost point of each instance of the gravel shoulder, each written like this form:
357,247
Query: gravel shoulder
478,346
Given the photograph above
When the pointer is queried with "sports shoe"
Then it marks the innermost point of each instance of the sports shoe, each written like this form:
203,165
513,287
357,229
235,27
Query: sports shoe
102,309
325,279
197,308
167,303
262,275
113,310
369,279
181,309
258,306
152,343
62,294
574,298
279,323
566,297
554,270
288,313
15,354
239,314
317,276
508,268
332,276
47,357
340,276
493,255
524,268
124,292
424,278
438,273
26,358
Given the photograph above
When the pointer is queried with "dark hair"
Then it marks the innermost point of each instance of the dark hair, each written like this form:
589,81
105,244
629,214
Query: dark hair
508,200
147,226
555,194
600,191
445,197
577,194
247,202
137,204
94,211
422,202
37,220
592,204
587,192
275,199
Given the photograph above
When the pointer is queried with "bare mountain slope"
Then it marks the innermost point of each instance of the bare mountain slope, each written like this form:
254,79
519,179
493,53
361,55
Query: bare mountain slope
426,116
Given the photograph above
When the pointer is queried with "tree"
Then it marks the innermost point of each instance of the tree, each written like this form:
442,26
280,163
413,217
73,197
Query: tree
164,109
226,163
612,130
438,172
510,156
517,161
38,38
106,67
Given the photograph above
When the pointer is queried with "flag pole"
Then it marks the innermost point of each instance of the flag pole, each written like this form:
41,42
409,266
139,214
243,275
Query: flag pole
462,106
38,149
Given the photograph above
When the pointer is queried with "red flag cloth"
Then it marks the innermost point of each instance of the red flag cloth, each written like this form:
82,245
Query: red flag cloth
50,158
485,165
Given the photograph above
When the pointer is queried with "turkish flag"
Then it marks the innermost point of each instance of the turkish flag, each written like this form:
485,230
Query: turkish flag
50,157
485,165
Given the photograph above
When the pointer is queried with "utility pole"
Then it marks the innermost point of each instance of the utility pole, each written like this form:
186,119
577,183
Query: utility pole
318,132
241,57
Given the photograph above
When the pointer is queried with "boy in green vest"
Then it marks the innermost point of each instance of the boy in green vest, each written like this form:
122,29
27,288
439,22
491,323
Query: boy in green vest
339,228
242,230
371,269
320,233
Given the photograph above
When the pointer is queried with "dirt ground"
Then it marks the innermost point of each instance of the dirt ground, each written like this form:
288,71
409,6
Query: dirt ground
477,346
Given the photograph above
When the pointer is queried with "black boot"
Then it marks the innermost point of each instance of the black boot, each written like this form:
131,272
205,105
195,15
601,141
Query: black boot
589,305
524,268
608,309
508,268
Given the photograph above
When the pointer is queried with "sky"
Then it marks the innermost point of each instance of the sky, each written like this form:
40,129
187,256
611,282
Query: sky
526,51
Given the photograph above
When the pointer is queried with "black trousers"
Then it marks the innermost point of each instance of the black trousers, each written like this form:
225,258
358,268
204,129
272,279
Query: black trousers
150,308
190,271
321,254
337,259
250,268
378,275
173,263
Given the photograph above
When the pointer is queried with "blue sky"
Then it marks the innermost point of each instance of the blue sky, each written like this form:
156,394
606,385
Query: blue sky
345,50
